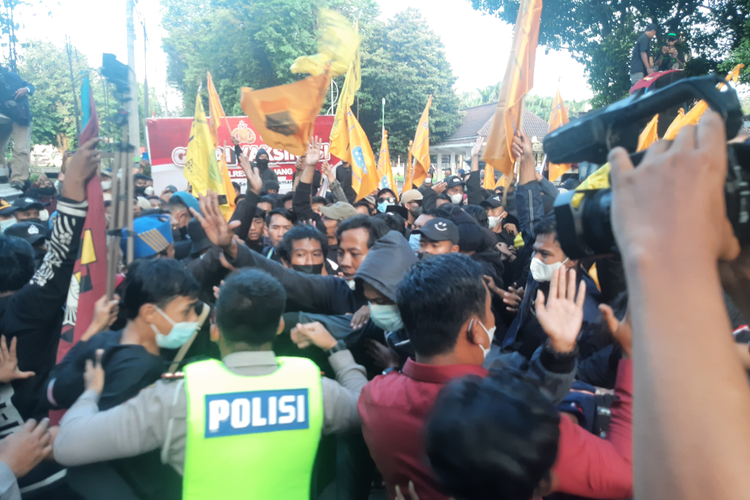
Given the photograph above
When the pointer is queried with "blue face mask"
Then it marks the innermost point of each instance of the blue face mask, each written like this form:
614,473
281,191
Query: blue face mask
177,336
414,242
5,224
383,206
386,317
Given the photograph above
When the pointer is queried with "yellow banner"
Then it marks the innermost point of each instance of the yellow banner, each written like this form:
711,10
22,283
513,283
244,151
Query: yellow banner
285,115
358,154
557,119
217,115
650,134
517,82
346,100
385,170
489,177
337,45
420,149
201,169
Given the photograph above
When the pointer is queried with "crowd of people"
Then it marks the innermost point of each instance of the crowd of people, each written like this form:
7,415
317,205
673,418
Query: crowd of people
436,343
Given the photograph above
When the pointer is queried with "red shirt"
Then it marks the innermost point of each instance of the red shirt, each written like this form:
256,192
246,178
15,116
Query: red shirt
393,409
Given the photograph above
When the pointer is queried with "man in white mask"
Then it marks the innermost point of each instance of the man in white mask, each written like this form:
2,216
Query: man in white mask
455,189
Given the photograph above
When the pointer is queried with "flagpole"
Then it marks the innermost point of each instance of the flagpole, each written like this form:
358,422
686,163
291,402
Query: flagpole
383,113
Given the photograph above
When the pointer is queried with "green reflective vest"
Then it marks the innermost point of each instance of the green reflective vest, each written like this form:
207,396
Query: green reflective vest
251,437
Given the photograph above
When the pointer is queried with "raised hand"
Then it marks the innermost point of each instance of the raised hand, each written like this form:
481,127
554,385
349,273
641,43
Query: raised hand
562,316
622,331
9,362
477,146
93,377
105,313
83,165
325,169
440,187
214,224
360,317
254,181
314,151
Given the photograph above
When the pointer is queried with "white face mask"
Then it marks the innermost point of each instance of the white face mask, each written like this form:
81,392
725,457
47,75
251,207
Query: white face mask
177,336
456,199
386,317
106,185
490,334
542,272
494,221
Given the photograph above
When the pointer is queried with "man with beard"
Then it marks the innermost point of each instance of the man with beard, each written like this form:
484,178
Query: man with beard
266,173
140,182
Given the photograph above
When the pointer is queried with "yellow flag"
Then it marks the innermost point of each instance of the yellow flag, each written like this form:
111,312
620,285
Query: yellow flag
489,177
358,154
385,170
557,119
650,134
420,151
337,45
201,169
217,114
694,115
346,99
285,115
518,81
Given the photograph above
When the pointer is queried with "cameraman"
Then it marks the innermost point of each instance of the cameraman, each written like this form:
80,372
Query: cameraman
670,57
15,121
525,334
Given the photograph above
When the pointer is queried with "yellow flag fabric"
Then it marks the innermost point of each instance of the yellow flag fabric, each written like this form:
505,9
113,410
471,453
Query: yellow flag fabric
201,169
557,119
385,169
285,115
337,45
650,134
217,115
694,115
597,180
517,82
420,149
346,100
489,177
408,173
358,153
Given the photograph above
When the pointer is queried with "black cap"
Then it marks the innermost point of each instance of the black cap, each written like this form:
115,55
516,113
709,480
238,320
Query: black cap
271,185
28,203
142,177
32,232
494,201
171,188
438,229
6,208
397,209
453,181
198,237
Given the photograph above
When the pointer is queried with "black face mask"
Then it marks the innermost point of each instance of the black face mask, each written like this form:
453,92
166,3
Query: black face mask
140,190
35,219
425,255
308,269
39,254
262,163
47,191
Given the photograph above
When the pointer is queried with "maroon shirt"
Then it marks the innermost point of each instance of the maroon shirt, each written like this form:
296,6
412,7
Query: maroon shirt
393,409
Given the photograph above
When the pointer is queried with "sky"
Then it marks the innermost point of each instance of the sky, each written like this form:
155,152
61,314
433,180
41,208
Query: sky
476,45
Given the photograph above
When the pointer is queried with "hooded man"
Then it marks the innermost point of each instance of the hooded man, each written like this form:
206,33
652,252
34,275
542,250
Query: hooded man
266,173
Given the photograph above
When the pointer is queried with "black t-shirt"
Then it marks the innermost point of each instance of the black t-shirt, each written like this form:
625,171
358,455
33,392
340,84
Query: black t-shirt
668,60
636,63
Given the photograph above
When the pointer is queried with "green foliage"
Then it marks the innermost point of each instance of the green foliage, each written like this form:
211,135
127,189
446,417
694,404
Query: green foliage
542,106
477,97
404,61
253,44
601,33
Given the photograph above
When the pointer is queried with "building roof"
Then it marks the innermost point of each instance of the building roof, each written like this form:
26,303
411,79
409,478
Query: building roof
478,121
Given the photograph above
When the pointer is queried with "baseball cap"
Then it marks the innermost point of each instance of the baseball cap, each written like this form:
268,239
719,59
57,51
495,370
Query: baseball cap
171,188
370,199
411,195
197,236
494,201
397,209
6,208
271,185
143,203
28,204
453,181
339,211
439,229
153,234
32,232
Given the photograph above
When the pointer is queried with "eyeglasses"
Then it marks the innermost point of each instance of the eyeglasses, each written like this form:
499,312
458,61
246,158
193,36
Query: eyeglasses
386,200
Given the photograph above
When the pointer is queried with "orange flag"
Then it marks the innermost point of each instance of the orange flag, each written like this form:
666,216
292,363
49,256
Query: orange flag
489,177
518,81
694,115
557,119
650,134
358,154
420,151
217,114
285,115
385,169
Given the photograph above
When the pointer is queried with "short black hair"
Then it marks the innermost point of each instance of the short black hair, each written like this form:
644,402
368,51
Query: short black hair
475,238
319,199
492,437
301,232
547,225
16,263
479,213
444,196
436,297
394,222
176,201
375,227
249,307
259,214
158,282
268,199
384,191
236,185
286,197
282,212
363,203
141,177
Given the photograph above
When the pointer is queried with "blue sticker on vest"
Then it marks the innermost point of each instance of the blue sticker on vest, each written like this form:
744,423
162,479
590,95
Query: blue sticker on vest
236,413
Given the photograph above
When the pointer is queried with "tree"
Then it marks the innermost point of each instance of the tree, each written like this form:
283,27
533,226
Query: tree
404,61
542,106
601,34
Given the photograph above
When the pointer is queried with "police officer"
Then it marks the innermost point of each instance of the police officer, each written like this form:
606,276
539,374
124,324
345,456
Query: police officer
244,427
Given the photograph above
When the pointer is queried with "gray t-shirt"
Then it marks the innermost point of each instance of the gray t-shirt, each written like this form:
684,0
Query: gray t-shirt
636,63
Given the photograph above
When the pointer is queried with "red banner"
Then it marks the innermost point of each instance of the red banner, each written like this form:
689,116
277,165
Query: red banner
167,145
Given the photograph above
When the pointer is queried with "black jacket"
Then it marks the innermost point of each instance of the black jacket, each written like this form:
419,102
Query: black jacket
344,176
9,84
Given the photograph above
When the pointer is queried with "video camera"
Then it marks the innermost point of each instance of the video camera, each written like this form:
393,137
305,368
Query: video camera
583,217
